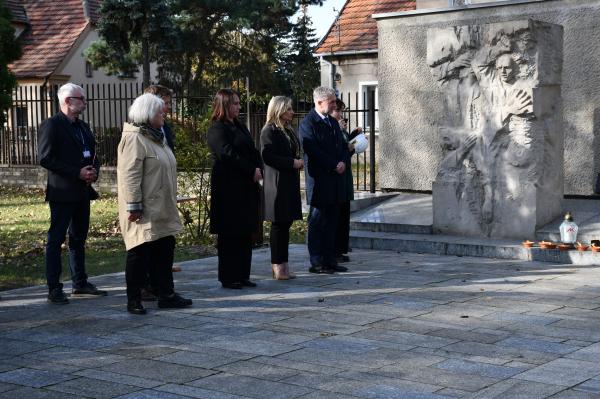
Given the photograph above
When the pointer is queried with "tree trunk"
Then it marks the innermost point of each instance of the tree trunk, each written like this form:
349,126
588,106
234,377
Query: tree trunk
146,59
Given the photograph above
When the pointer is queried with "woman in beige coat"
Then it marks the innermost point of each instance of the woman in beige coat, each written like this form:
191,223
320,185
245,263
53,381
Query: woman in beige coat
147,188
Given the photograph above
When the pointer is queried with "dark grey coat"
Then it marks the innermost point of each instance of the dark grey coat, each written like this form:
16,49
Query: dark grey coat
281,180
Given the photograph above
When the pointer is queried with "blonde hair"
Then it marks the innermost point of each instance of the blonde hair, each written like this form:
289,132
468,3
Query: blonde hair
277,107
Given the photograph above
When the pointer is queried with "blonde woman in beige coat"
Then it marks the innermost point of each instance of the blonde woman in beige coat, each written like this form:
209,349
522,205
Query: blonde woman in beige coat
147,188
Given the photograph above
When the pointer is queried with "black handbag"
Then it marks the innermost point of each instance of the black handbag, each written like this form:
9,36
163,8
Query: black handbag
597,185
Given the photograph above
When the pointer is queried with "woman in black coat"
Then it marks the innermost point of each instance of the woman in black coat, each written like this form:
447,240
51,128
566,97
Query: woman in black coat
235,194
281,153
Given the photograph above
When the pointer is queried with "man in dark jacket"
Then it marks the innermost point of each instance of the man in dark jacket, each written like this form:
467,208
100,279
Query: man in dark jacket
67,148
325,160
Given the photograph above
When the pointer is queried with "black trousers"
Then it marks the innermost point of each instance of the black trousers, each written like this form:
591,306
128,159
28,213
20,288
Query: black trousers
322,228
342,236
279,241
235,257
155,257
74,218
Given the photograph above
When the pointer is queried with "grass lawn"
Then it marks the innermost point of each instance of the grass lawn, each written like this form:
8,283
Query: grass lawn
24,222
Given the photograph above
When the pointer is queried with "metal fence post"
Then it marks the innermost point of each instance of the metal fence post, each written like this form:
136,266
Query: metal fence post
372,177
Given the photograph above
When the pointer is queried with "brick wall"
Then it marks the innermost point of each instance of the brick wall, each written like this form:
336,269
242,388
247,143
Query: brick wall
35,177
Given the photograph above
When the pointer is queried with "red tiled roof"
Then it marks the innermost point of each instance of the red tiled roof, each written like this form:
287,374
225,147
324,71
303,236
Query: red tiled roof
355,30
54,29
17,11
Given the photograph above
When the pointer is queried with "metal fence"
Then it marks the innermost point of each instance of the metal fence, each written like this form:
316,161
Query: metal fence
106,111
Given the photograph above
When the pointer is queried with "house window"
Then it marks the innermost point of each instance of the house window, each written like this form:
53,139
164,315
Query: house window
89,71
367,90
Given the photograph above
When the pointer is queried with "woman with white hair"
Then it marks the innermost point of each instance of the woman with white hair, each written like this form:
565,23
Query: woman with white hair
281,153
148,216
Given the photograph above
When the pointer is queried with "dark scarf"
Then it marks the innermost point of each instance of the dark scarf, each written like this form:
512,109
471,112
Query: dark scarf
152,133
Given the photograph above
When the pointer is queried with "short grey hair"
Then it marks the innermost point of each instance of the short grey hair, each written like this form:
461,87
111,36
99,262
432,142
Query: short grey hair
145,108
66,90
322,93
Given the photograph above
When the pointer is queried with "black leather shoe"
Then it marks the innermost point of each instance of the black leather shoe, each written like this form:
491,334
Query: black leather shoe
342,258
338,268
57,296
320,270
88,289
232,286
174,301
135,307
248,283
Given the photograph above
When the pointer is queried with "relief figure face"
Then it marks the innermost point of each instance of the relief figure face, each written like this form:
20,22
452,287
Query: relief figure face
506,68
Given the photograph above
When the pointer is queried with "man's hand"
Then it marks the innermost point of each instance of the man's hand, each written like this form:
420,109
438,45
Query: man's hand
340,168
298,163
519,103
88,174
134,216
257,175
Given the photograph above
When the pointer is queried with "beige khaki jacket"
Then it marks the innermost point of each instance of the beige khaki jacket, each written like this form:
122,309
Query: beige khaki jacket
146,175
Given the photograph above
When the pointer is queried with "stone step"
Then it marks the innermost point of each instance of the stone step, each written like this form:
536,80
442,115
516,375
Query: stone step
403,228
467,246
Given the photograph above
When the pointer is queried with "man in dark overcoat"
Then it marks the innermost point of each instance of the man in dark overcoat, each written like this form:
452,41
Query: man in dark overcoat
325,160
67,149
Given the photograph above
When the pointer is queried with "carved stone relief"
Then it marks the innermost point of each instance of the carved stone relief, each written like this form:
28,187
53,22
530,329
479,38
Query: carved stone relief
501,132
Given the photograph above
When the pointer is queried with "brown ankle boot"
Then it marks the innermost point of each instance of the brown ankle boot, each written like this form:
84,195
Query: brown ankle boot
279,271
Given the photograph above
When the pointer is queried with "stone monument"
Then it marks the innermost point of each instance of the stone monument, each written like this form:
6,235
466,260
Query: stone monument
501,131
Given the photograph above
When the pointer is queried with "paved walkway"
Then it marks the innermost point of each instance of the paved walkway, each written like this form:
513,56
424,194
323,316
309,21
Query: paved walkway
397,326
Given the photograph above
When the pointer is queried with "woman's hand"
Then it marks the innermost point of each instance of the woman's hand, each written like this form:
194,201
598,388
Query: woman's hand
298,163
134,216
257,175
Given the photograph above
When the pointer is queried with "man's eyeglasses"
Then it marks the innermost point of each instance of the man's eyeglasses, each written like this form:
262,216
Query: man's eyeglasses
81,98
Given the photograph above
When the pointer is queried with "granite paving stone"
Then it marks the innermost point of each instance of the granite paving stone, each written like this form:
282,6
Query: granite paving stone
255,369
91,388
196,358
118,378
12,347
195,392
358,383
252,346
7,387
31,393
515,389
75,357
484,369
566,372
573,394
33,378
150,394
156,370
251,387
592,385
398,325
298,365
537,345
